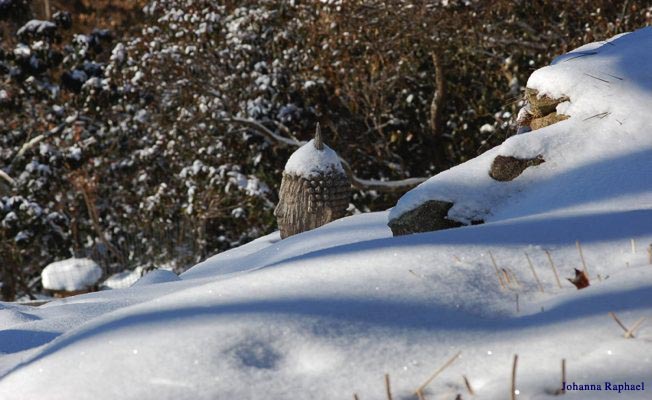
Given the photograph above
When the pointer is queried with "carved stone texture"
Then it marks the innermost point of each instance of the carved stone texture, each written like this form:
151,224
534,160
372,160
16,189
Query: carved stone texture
542,122
507,168
307,203
429,216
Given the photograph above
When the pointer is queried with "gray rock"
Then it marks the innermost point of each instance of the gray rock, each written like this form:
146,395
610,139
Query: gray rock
507,168
429,216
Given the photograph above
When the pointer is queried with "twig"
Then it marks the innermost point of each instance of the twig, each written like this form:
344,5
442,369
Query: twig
513,395
263,130
46,6
536,277
500,279
518,308
613,315
629,333
562,389
419,391
633,243
649,253
7,178
600,115
355,397
36,140
359,183
579,248
468,385
554,269
581,55
614,76
388,387
595,77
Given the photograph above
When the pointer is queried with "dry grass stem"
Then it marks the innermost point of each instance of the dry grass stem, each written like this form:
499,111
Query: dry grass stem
649,254
388,387
355,397
562,388
518,307
514,278
513,395
579,249
629,333
419,391
613,315
633,243
500,279
469,388
506,276
554,269
536,277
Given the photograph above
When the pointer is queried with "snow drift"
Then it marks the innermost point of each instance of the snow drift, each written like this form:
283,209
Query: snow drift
327,313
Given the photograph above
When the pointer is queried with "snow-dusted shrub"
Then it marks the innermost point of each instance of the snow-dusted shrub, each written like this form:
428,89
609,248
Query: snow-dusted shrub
129,136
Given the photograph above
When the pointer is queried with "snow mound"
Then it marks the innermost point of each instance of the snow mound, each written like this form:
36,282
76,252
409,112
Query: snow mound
71,275
308,161
123,280
327,313
157,276
603,146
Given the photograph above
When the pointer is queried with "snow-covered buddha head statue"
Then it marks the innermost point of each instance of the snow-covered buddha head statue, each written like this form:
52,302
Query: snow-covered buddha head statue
315,189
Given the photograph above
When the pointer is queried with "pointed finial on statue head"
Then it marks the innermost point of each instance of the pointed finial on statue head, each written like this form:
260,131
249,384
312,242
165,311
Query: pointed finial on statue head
319,140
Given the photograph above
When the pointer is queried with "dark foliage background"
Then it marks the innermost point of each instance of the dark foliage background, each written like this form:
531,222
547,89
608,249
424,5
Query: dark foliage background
118,119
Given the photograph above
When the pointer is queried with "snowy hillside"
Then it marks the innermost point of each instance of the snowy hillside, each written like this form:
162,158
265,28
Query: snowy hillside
603,146
327,313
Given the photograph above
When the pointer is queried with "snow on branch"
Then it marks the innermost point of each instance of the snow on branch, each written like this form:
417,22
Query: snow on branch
359,183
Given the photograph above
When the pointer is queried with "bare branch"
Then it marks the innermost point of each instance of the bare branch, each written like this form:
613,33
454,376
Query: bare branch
439,97
359,183
7,178
264,131
36,140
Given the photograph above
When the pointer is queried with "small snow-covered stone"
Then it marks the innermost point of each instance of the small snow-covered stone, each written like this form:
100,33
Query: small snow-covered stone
71,275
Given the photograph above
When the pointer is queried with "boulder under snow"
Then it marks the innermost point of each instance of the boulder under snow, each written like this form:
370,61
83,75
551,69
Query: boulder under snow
71,275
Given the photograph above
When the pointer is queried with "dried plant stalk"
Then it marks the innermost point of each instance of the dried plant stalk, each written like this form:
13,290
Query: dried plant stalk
536,277
500,279
419,391
388,387
469,388
513,396
554,269
579,248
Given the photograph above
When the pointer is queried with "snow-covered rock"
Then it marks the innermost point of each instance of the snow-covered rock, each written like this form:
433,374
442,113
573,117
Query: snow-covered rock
326,313
71,275
604,144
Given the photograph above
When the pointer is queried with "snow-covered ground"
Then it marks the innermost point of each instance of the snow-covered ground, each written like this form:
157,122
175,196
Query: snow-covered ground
327,313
